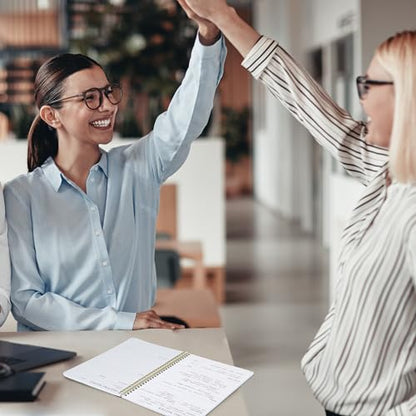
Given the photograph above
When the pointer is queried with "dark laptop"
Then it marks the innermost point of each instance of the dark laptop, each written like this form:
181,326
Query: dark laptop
22,357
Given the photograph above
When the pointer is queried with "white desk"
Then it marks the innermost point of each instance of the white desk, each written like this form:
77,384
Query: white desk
65,397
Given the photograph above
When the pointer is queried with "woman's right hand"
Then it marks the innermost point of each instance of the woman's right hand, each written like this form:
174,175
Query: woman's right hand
150,319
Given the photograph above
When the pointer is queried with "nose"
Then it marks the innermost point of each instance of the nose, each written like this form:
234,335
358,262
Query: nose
106,105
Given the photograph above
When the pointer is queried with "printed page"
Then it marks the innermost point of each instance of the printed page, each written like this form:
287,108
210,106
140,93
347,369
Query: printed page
117,368
192,387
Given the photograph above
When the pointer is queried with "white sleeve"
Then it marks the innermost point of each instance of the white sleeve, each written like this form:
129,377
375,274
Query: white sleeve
4,265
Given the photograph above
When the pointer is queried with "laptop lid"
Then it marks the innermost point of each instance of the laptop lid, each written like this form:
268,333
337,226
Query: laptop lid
22,357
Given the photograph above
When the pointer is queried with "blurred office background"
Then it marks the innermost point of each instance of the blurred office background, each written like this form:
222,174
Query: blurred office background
264,202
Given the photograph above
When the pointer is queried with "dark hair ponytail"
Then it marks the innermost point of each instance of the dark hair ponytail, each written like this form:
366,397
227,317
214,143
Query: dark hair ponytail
42,142
42,138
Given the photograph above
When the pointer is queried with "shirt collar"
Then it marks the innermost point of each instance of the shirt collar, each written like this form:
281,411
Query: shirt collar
52,173
103,162
55,176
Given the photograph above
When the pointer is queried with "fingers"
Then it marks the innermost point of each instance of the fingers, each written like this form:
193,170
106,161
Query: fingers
150,319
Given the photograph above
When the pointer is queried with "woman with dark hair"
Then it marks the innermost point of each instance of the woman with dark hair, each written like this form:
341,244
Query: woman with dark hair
82,221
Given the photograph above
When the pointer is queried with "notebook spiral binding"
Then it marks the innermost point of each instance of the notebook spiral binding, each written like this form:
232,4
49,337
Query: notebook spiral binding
139,383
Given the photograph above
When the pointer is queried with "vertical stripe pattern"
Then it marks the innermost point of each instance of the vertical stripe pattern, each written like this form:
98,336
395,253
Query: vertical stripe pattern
363,358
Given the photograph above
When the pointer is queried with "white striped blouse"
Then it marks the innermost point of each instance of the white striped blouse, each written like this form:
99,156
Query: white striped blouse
363,358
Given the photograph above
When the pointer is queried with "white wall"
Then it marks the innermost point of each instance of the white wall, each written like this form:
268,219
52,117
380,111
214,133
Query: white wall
275,147
12,159
326,20
381,19
201,205
201,199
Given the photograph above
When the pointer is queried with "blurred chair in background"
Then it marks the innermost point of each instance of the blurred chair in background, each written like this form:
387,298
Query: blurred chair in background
168,267
168,271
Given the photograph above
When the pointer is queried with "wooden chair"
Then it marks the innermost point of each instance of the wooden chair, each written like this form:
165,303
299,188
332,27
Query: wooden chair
167,219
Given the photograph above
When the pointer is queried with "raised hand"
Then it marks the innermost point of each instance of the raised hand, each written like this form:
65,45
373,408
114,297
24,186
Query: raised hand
225,18
208,31
206,9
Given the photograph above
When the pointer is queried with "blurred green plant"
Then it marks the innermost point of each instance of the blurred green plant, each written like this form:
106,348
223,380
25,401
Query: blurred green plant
235,130
141,43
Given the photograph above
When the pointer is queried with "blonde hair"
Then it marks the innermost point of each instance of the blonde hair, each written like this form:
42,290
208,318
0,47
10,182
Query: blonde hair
398,57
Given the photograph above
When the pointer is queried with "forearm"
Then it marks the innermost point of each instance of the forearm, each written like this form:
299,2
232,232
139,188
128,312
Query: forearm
52,312
188,111
235,29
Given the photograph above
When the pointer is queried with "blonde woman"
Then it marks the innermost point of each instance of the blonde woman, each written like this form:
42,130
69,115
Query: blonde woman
4,265
363,359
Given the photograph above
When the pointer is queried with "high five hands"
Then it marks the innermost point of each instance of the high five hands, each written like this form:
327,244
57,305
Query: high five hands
208,31
205,9
223,17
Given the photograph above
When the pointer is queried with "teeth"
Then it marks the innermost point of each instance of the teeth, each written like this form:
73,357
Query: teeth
101,123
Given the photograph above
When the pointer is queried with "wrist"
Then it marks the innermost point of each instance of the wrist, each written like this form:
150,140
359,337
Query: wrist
208,36
223,16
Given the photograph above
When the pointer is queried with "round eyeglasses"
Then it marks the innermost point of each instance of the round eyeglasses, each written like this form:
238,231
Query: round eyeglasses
363,85
93,98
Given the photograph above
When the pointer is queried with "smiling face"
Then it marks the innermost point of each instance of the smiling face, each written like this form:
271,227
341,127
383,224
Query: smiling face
378,105
77,122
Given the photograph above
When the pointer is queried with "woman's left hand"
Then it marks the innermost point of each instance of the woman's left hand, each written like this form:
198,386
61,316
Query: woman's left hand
208,32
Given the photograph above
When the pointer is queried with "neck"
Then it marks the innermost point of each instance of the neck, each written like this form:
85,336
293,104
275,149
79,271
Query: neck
76,160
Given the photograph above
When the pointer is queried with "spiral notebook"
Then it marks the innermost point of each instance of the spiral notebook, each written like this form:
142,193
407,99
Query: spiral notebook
167,381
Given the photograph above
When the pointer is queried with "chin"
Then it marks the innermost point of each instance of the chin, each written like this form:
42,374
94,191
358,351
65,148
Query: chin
108,139
376,139
104,138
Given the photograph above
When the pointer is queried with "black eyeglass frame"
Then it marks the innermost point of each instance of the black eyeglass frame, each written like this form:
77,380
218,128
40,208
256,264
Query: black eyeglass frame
362,81
107,91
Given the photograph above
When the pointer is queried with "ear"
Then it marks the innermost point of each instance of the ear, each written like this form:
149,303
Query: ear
50,116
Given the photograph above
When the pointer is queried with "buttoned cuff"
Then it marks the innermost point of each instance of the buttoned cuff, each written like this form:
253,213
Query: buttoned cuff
125,320
259,56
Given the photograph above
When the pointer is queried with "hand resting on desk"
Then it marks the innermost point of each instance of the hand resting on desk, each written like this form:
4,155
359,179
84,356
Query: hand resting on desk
150,319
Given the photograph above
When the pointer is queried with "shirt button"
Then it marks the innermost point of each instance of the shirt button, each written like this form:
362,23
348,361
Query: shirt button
97,233
92,209
109,291
92,180
104,263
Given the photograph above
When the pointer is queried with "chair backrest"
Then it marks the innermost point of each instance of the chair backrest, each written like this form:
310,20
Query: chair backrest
168,268
167,218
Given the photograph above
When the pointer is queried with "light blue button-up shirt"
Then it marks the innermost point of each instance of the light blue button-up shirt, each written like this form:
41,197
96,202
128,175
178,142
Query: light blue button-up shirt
86,260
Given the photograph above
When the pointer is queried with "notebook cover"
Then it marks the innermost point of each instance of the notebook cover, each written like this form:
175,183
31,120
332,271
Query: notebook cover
21,387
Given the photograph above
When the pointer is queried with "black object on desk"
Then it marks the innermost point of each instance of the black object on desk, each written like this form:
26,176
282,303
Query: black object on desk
22,357
21,387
